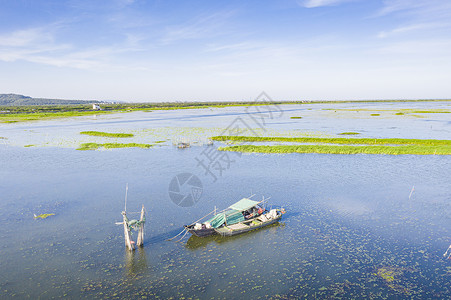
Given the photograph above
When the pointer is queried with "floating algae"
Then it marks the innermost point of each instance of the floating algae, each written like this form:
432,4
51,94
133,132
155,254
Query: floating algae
392,276
388,274
43,216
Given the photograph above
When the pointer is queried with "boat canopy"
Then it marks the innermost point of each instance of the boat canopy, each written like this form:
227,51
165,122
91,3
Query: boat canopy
243,204
233,215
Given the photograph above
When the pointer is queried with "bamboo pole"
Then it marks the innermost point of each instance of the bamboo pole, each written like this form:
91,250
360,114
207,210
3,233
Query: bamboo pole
140,240
128,241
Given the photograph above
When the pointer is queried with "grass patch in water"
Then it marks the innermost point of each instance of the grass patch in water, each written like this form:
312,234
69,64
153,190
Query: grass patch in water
95,146
354,141
343,149
43,216
349,133
375,115
107,134
295,117
26,146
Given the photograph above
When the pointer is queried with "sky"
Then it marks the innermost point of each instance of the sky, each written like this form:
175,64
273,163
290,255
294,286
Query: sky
165,50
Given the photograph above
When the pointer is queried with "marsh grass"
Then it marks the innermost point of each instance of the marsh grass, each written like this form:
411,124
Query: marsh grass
375,115
348,145
95,146
35,116
349,133
107,134
343,149
295,117
354,141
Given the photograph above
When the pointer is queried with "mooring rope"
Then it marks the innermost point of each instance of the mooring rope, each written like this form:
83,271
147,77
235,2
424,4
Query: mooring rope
184,229
177,235
182,236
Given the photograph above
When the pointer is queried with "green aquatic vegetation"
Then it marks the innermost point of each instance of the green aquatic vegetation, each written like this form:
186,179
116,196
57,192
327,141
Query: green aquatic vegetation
26,146
43,216
95,146
343,149
295,117
388,274
355,141
12,114
107,134
349,133
426,111
392,276
35,116
399,114
375,115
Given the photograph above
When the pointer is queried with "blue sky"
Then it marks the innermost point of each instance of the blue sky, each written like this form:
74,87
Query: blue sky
136,50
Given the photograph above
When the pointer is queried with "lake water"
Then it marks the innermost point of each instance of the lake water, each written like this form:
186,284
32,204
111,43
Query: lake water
353,228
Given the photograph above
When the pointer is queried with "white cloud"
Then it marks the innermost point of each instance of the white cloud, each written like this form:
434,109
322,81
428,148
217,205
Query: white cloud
409,28
25,37
201,27
429,9
319,3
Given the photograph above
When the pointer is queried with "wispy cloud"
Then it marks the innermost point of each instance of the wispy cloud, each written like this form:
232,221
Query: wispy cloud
417,15
204,26
430,9
39,45
410,28
319,3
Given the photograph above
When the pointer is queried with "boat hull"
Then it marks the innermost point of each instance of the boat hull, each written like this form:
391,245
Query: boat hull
226,231
200,232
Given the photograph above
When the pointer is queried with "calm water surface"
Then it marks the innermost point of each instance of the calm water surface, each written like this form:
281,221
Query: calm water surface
351,230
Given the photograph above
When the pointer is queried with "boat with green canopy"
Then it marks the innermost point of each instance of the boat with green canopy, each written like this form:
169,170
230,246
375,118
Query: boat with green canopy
242,216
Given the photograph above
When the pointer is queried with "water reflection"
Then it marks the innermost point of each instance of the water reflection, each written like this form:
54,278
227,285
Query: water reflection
135,262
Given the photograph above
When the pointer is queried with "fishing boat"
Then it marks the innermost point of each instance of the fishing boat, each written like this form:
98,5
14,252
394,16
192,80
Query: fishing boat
242,216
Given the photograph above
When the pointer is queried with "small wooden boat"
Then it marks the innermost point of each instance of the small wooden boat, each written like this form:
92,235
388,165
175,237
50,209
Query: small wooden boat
261,221
245,215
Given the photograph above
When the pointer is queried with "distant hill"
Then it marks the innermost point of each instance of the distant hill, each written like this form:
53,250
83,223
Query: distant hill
18,100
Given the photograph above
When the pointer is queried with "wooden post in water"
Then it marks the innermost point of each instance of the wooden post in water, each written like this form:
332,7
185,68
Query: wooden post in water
140,240
128,241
